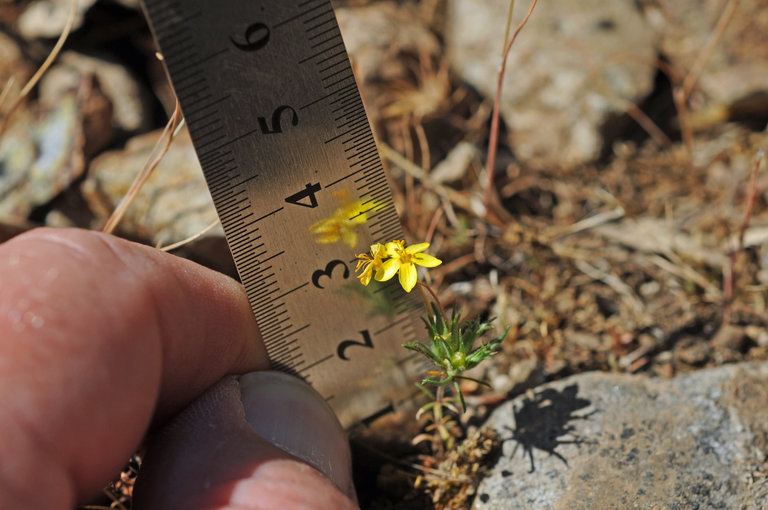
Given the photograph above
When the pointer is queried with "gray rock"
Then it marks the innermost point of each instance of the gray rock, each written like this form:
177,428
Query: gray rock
14,70
738,64
172,205
375,34
131,109
47,18
40,155
606,441
574,64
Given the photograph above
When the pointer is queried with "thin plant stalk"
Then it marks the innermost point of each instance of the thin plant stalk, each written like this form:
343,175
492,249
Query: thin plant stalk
733,254
683,90
189,239
171,130
494,133
423,286
43,68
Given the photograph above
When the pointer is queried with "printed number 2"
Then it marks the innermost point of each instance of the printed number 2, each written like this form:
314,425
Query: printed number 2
307,193
343,346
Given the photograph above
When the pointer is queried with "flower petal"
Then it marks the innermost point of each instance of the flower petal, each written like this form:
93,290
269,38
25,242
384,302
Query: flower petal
378,250
426,260
349,237
408,276
387,270
417,248
365,278
392,248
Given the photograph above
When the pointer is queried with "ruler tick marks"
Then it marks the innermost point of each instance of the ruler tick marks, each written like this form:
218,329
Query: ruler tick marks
322,23
229,206
292,290
324,32
354,121
344,98
340,80
321,360
301,14
299,330
200,128
245,181
318,16
362,149
350,86
191,112
329,39
319,53
341,55
349,113
331,66
345,70
172,16
275,316
269,214
365,159
196,63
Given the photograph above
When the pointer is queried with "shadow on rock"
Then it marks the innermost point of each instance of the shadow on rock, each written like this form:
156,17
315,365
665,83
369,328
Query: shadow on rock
543,422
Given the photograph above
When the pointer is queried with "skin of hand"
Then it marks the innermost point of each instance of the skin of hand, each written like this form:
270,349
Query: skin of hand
103,340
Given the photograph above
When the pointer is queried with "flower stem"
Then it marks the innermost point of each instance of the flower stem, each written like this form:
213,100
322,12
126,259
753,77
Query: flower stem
437,413
422,287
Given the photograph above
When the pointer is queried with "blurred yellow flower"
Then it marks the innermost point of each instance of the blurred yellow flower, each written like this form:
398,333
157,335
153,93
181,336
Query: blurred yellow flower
342,224
403,260
370,263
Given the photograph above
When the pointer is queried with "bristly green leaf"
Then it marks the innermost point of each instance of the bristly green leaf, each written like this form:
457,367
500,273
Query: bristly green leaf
451,348
461,396
424,351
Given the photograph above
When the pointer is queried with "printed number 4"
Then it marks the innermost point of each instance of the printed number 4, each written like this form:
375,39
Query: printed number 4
307,193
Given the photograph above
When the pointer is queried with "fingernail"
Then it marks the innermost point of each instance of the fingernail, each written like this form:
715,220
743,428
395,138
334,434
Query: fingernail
291,415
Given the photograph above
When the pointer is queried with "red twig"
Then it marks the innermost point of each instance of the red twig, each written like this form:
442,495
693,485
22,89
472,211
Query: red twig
733,254
494,134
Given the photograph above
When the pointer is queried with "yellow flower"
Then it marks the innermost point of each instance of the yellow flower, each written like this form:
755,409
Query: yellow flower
370,263
403,260
341,226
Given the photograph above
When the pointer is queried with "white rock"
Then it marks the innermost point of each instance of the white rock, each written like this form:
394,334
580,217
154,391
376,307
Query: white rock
572,66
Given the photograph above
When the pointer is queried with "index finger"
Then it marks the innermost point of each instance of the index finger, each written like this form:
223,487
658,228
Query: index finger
97,336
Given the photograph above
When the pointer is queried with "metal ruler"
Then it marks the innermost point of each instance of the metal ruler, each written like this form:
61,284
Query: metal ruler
280,130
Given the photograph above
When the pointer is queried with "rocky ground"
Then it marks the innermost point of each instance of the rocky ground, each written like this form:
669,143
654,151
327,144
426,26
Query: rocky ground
628,232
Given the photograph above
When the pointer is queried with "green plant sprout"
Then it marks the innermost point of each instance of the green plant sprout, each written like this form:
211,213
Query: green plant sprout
451,346
451,349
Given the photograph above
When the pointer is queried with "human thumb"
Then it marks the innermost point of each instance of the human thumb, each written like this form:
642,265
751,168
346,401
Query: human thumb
265,440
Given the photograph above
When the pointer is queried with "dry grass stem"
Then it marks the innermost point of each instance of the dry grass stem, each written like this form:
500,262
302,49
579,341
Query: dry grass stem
722,23
648,125
733,254
588,223
189,239
682,89
6,90
43,68
169,134
494,134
